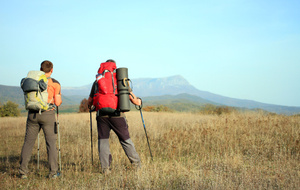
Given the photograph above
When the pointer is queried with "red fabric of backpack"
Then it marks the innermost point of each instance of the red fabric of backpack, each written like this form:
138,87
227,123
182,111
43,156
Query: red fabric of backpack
105,99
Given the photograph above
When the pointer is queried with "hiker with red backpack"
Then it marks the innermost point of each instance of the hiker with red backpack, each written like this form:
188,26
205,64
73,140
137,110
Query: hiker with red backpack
105,97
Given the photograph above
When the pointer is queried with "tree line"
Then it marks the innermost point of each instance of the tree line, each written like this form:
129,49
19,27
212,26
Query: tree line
11,109
205,109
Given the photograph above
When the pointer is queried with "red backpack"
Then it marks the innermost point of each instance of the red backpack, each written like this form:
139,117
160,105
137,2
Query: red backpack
105,99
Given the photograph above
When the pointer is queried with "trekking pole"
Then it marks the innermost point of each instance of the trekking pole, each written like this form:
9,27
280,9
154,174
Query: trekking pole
91,125
38,153
58,135
140,108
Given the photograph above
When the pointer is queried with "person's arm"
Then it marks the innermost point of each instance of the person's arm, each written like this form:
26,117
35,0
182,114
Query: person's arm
134,99
57,95
90,99
90,102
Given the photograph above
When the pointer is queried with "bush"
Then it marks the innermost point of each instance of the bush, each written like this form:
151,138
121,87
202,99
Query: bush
216,110
9,109
160,108
84,106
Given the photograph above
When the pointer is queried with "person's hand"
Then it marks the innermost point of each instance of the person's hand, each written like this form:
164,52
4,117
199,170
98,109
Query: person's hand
138,101
92,108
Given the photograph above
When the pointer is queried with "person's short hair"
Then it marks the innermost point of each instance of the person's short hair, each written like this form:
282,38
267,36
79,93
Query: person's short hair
111,60
46,66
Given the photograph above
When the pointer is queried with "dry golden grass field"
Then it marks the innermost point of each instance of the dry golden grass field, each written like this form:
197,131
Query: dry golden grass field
191,151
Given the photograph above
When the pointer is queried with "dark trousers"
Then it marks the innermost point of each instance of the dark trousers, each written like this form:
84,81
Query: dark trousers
119,125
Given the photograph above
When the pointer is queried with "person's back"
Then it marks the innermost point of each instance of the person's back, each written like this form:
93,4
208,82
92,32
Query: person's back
116,122
43,120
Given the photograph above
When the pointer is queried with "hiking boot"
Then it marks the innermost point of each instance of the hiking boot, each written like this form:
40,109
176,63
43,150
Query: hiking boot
136,165
23,176
54,176
106,171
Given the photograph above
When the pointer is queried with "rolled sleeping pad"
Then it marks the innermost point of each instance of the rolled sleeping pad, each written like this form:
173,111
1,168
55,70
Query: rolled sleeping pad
123,89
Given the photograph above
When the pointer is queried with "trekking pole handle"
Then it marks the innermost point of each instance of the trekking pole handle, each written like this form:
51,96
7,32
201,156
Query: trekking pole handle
92,108
57,112
140,106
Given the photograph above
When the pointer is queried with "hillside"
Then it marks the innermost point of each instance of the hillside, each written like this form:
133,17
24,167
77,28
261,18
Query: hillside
180,102
174,85
174,91
15,94
12,93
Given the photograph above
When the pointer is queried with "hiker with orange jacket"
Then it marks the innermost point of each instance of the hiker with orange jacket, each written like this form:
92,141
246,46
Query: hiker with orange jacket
111,120
45,120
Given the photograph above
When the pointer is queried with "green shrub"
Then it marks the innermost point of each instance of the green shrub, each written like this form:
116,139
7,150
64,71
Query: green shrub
9,109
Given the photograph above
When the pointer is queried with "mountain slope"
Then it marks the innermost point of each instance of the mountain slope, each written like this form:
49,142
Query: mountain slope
179,98
180,102
168,90
175,85
15,94
12,93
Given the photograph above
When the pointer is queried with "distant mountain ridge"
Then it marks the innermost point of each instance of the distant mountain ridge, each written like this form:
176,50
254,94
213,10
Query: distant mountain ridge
165,90
175,85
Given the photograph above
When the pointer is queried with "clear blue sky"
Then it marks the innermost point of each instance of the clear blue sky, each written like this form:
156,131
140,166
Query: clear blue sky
247,49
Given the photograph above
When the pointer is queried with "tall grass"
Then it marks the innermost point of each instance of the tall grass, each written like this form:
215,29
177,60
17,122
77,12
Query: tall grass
191,151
